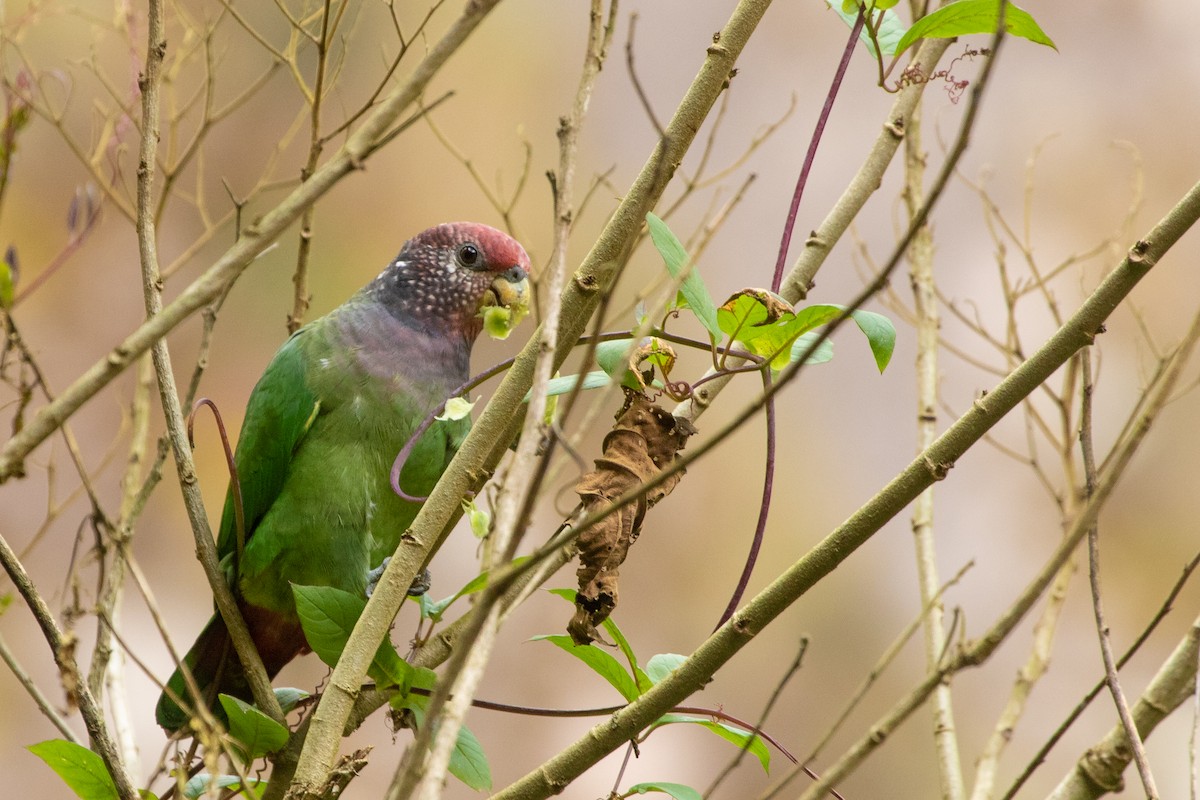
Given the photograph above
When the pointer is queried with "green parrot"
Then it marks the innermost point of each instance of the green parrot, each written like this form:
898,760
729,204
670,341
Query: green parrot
323,426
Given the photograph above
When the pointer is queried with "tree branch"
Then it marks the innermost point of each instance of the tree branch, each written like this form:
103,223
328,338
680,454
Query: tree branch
929,466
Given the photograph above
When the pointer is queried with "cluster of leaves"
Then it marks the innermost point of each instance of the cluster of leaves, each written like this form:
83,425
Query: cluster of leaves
328,616
632,681
752,322
886,33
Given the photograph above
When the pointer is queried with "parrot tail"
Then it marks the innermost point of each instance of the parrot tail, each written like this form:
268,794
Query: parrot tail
215,666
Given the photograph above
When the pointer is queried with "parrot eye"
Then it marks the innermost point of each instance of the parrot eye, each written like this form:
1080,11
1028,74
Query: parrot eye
469,256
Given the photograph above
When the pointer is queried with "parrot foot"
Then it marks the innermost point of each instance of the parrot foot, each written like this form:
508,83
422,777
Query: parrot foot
420,584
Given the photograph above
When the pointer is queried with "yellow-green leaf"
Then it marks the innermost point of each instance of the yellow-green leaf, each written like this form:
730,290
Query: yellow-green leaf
973,16
456,408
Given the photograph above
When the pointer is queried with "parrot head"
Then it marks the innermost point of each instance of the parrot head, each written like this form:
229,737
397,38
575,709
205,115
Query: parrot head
447,278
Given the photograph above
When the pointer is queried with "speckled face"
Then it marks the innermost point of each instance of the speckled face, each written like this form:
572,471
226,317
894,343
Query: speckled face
443,276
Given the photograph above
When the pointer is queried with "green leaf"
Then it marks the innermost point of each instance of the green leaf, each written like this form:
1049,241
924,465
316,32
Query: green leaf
610,627
613,358
973,16
81,769
198,785
767,325
478,518
566,383
633,362
328,616
891,27
692,288
8,278
422,678
469,763
662,665
257,733
599,661
743,739
676,790
289,698
822,354
880,333
434,609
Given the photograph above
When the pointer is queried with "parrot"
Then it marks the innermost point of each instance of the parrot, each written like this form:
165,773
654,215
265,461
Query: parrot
323,425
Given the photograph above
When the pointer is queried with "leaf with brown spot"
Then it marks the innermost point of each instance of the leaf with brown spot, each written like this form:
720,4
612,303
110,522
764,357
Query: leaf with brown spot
644,441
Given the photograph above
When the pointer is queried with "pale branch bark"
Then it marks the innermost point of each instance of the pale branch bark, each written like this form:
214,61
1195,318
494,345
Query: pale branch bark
260,684
1137,748
982,649
71,676
987,765
39,699
580,298
864,183
253,240
457,687
1079,331
301,297
925,305
1098,771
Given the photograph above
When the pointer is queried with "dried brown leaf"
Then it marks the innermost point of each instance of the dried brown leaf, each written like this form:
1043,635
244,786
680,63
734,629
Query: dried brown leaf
644,441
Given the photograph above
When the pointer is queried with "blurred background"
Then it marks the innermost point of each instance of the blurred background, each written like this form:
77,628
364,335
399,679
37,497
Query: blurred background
1112,114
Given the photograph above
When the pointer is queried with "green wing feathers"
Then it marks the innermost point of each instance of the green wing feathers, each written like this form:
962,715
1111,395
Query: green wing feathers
280,412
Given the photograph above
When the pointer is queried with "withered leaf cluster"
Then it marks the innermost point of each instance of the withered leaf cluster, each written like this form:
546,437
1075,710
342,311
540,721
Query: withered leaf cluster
645,440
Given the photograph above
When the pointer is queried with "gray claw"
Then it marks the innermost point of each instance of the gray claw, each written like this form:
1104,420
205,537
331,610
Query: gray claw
419,586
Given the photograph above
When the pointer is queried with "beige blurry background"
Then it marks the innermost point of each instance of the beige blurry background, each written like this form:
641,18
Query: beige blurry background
1123,72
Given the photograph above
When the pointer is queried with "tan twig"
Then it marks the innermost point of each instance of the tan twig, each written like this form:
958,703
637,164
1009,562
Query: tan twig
457,688
787,676
759,612
64,657
882,663
253,241
260,684
923,281
1098,772
39,699
647,108
1110,668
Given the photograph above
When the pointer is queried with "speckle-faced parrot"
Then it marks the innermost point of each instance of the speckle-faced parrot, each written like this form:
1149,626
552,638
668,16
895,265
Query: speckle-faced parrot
322,429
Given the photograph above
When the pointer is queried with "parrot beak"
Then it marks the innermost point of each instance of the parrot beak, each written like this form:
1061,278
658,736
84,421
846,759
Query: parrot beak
505,303
510,290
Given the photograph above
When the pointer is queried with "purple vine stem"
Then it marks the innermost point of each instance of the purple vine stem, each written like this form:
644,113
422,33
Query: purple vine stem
764,509
769,474
812,151
425,425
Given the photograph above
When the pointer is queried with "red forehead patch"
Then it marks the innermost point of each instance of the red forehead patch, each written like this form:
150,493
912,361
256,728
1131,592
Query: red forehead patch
501,250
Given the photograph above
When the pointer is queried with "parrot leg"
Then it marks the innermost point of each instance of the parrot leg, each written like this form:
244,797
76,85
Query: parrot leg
420,585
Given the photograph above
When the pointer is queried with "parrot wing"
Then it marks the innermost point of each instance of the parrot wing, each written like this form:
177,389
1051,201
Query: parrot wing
280,412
